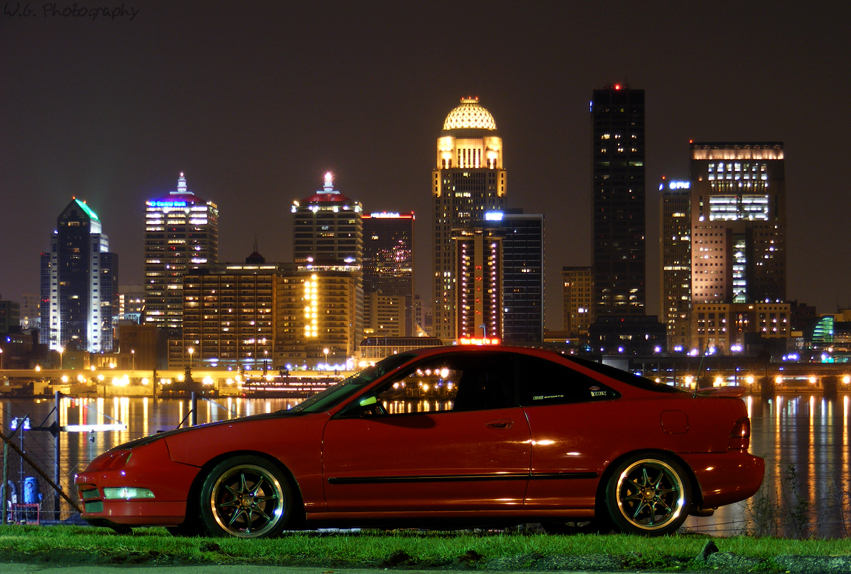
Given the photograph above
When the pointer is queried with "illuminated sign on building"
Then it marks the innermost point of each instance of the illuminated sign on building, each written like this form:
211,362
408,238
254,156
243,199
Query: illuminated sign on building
494,216
676,185
167,203
389,215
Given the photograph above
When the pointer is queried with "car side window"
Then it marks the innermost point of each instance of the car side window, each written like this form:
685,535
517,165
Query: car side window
429,386
460,382
544,382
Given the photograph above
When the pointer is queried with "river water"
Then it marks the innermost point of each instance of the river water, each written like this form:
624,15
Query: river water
804,439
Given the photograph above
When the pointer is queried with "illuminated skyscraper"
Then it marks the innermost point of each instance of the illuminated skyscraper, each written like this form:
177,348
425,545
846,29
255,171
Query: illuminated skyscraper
617,114
328,228
181,235
738,219
79,278
738,238
468,180
388,260
675,239
479,291
522,274
328,244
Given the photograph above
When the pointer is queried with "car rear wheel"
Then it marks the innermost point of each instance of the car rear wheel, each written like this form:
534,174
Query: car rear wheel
246,497
648,494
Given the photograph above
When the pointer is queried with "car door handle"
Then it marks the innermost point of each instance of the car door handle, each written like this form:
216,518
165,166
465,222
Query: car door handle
500,424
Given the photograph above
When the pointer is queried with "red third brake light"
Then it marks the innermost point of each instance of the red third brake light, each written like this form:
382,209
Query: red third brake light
740,437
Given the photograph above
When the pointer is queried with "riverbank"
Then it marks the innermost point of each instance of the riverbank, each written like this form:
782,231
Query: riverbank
491,551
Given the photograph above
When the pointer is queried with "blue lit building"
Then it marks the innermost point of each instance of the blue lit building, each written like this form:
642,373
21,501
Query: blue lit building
181,235
522,274
675,244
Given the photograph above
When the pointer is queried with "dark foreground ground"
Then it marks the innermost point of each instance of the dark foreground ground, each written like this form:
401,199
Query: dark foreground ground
709,560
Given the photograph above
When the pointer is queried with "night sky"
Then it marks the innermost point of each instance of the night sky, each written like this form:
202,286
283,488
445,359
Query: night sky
255,101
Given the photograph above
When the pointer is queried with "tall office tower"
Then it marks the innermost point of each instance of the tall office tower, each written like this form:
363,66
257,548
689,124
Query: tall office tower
675,239
181,235
467,182
328,228
79,278
328,242
523,274
578,289
388,259
738,236
479,290
617,114
738,220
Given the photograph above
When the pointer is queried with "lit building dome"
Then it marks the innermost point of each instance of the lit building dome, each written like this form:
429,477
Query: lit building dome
469,115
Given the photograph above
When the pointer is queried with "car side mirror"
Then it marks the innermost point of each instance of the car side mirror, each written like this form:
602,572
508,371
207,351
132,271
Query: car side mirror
366,401
364,407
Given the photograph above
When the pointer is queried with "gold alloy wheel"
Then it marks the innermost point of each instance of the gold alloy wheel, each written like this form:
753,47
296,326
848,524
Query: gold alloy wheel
651,496
247,501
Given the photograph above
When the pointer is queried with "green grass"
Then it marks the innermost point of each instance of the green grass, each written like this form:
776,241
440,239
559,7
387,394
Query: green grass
402,548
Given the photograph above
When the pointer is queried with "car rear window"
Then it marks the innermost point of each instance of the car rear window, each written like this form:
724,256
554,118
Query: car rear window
545,382
625,377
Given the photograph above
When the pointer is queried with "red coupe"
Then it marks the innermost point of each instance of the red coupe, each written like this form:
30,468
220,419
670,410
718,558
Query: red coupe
448,437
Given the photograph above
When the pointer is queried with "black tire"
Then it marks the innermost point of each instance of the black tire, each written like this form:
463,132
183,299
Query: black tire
246,497
648,494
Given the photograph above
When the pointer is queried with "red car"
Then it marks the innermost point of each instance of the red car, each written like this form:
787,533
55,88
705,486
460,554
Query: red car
442,437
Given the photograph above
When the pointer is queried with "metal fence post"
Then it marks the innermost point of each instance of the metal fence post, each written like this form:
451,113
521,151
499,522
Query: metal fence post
3,515
57,451
193,405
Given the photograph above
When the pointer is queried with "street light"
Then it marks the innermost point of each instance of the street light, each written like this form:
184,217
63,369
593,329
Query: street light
1,359
190,350
325,350
61,355
133,356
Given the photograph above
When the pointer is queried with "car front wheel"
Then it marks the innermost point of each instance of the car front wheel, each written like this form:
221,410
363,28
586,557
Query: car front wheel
648,494
246,497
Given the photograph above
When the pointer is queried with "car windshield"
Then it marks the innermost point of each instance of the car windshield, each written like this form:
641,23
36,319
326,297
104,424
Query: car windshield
347,387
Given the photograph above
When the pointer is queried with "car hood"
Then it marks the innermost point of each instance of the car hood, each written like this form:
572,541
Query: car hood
161,435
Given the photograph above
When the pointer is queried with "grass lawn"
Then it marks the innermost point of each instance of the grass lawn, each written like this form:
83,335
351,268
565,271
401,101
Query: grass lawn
445,550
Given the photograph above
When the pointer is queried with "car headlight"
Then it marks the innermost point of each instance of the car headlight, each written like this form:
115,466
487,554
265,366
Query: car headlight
126,493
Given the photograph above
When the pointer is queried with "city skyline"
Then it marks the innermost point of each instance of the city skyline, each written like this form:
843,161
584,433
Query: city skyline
111,111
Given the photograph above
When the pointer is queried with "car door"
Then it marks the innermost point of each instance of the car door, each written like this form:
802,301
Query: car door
569,413
445,434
